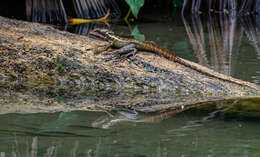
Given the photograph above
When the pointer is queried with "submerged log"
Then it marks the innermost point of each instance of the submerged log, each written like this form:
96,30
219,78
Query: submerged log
43,69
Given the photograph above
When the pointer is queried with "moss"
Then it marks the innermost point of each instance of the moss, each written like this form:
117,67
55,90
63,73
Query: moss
190,92
210,93
248,105
198,92
59,62
205,107
232,108
178,91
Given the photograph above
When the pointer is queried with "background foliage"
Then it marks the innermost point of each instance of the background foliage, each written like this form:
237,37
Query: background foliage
136,5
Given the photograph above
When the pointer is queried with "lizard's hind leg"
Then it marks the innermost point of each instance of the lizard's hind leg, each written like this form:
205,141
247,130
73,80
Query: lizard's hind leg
126,51
123,53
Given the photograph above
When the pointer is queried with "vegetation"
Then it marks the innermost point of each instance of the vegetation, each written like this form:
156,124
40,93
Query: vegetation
136,5
243,7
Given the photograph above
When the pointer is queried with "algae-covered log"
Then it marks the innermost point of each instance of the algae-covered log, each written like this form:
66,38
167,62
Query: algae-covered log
44,69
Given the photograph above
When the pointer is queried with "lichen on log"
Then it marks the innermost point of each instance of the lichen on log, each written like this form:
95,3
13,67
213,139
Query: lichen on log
41,65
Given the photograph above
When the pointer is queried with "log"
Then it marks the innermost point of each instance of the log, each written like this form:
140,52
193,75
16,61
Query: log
43,69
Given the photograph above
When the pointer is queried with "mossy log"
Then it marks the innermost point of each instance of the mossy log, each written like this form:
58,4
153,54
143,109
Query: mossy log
43,69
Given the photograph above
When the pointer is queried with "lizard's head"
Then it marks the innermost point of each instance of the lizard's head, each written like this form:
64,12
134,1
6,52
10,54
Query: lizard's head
103,34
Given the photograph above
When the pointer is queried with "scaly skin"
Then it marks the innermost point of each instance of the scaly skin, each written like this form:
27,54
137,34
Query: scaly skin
121,42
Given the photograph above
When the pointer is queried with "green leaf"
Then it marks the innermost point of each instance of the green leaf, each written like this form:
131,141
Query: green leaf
135,6
137,35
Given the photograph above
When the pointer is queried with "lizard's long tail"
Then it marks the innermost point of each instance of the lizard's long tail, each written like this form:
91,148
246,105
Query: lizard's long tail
194,66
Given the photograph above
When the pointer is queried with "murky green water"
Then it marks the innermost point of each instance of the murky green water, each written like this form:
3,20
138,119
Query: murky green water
228,45
73,134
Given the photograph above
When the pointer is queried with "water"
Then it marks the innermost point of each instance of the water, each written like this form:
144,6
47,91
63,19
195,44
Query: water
73,134
226,44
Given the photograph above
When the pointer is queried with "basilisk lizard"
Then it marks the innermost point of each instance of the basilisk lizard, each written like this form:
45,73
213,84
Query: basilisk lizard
130,46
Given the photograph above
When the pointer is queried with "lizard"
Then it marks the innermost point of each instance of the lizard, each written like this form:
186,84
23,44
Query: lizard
130,46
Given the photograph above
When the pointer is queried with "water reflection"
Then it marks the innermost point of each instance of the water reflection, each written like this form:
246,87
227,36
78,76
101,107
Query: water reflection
221,33
85,28
201,132
252,32
222,6
197,39
251,27
222,40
